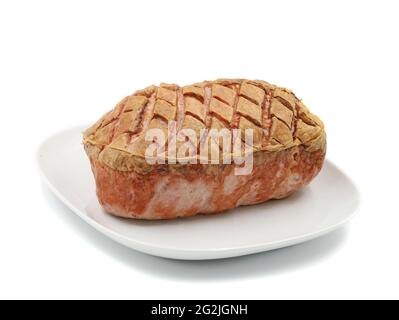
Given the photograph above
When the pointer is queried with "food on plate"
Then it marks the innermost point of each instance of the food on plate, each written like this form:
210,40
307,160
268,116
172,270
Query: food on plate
168,151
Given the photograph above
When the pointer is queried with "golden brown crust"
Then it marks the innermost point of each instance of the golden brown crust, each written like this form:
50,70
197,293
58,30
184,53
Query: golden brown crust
279,119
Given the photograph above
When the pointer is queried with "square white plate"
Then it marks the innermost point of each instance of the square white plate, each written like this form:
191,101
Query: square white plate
329,201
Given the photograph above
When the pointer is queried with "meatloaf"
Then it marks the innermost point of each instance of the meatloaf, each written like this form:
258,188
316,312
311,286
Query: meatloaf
288,148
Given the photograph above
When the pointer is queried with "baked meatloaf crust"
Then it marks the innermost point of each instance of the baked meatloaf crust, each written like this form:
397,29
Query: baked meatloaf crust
288,149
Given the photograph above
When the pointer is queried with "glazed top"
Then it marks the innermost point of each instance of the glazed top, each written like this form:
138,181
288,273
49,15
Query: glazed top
279,120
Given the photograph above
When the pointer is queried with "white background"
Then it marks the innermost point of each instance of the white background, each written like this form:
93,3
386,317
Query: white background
64,63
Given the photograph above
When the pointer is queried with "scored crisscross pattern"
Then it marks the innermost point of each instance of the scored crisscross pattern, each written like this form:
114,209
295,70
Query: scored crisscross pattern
279,120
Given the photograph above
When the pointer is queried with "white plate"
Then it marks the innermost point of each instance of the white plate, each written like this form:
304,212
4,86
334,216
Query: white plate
326,204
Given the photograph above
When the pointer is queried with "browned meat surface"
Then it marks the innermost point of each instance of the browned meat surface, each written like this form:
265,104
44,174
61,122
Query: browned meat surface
288,149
